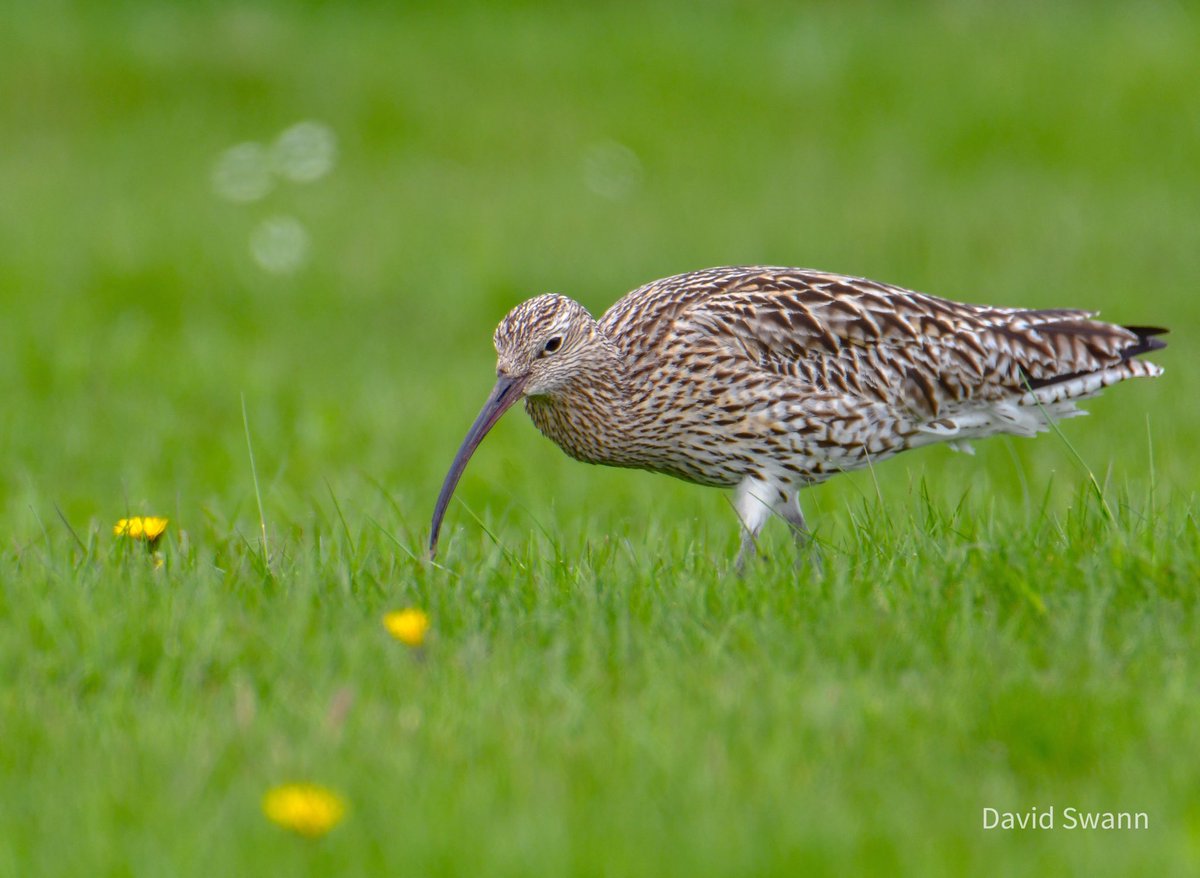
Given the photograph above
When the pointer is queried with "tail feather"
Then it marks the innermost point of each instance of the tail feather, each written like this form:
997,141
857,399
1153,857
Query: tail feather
1144,342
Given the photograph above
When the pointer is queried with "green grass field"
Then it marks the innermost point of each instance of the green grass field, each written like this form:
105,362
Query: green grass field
598,695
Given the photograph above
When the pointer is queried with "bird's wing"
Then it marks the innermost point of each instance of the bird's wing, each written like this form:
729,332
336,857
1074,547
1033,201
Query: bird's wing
860,336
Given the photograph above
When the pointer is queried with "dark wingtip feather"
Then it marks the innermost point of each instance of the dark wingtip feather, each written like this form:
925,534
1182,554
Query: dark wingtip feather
1146,341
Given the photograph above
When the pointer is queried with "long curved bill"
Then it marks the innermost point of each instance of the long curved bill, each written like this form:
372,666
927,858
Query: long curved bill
504,394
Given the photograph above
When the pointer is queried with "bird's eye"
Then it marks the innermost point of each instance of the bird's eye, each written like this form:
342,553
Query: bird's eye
552,345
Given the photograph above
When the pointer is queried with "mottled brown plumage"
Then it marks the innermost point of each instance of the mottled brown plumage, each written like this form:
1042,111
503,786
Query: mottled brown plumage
769,379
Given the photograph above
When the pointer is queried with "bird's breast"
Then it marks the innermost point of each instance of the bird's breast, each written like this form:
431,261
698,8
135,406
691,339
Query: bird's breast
580,425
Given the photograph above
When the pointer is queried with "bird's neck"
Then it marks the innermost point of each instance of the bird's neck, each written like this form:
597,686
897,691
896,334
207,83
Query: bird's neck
589,416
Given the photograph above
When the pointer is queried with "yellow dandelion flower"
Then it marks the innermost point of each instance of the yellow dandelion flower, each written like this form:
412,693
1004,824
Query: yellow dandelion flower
147,527
408,626
304,808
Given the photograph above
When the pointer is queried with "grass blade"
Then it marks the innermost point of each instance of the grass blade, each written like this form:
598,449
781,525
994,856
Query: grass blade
262,518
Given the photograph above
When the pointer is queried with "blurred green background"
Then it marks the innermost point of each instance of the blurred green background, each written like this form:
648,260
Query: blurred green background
1014,154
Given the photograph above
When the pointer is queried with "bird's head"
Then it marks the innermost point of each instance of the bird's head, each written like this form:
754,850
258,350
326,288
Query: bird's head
542,345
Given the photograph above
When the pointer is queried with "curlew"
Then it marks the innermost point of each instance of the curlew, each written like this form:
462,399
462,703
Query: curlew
766,380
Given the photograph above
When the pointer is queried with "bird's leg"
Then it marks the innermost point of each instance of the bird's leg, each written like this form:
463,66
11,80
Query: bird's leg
790,511
747,550
754,509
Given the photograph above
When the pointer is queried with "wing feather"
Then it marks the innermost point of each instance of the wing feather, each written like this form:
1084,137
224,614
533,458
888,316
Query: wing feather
846,333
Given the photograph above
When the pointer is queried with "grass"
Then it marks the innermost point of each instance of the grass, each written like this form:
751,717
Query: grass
598,694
